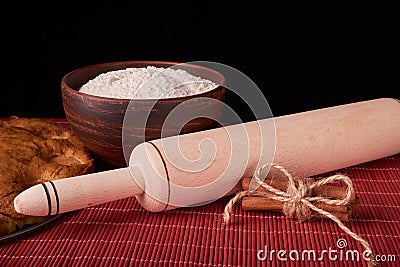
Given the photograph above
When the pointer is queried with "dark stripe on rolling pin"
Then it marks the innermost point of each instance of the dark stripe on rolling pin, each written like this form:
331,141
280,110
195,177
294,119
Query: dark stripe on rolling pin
48,198
57,200
166,171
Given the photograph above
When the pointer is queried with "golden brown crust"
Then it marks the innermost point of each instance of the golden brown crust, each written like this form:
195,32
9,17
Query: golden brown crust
34,151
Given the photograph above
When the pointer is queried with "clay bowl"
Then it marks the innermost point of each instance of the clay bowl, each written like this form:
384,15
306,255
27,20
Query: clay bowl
98,121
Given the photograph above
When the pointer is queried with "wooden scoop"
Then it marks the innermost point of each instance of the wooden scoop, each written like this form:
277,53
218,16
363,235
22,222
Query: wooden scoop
197,168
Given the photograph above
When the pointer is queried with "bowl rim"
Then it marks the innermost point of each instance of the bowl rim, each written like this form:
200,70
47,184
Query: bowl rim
65,86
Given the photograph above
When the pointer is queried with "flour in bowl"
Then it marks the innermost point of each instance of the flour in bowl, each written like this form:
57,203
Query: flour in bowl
147,83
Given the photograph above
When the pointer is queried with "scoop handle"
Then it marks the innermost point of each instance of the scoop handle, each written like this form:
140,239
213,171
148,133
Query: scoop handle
77,192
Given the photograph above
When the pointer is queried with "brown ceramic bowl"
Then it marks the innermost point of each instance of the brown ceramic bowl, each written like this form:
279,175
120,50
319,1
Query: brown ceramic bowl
98,121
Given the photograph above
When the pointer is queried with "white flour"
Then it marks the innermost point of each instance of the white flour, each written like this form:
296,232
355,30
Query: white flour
150,82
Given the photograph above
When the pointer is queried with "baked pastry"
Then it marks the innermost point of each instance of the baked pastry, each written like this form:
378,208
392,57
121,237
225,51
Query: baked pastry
33,151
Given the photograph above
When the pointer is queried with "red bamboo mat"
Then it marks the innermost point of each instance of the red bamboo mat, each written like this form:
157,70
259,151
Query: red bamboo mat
121,233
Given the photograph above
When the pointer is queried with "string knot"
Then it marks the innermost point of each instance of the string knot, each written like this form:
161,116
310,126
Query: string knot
299,201
294,207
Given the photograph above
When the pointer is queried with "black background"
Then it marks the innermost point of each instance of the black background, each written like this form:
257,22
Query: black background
301,55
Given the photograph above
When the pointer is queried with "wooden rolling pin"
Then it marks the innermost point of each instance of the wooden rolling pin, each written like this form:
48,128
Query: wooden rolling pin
198,168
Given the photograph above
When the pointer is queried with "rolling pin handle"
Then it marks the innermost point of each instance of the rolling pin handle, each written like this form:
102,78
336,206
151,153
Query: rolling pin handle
78,192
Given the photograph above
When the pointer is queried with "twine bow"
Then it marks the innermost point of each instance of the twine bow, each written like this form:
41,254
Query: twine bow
298,200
